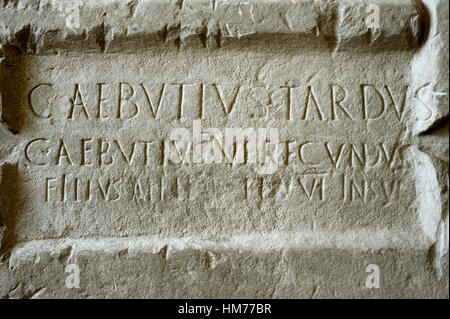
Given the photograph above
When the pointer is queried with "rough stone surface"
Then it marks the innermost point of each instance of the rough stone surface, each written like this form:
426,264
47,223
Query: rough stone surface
91,93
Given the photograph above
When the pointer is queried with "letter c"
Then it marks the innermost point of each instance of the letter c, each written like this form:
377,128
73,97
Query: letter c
300,153
30,103
27,156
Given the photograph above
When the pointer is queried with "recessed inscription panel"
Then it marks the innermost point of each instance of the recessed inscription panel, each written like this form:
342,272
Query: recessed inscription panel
256,146
134,144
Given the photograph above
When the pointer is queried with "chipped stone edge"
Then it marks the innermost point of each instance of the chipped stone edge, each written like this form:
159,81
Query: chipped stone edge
428,66
363,240
43,25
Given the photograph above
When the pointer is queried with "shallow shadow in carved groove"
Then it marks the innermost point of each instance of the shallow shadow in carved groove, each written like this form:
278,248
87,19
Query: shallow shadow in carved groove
10,199
13,88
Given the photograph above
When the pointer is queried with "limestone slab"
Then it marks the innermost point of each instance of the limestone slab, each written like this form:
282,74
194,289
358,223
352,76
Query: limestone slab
93,93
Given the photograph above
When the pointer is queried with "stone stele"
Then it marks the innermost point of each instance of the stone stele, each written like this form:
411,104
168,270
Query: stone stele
353,201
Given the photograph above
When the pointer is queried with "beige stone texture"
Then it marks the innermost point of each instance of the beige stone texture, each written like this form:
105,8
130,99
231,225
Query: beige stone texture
91,93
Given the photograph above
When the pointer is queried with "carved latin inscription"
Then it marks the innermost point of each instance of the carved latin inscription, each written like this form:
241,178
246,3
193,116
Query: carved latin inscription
119,144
